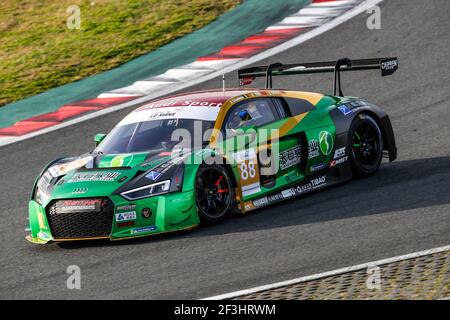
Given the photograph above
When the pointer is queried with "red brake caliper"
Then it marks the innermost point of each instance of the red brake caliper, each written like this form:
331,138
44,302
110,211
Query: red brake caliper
217,184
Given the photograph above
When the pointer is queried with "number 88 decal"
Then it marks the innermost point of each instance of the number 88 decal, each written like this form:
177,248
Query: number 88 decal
247,170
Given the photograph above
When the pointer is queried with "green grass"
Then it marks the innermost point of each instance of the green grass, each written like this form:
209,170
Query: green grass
38,51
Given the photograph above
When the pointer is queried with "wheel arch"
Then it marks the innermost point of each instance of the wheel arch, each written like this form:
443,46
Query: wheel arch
343,123
229,169
227,166
384,123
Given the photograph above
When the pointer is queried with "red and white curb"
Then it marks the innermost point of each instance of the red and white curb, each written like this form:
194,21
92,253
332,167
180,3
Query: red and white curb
363,266
311,21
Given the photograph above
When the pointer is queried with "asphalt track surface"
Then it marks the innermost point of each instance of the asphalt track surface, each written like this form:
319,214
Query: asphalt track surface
402,209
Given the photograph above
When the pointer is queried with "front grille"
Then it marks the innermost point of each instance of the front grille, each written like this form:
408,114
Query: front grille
79,223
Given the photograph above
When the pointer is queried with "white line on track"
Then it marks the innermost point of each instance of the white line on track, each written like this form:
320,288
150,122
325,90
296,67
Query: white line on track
328,274
363,6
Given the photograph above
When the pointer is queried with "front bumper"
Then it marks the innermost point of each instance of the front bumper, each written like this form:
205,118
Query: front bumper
170,212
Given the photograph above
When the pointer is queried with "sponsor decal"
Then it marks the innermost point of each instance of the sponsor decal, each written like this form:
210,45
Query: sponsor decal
285,194
146,213
64,168
313,149
338,161
339,153
153,175
80,190
241,156
208,113
122,160
250,189
317,167
290,157
248,171
317,182
248,206
246,80
183,103
82,205
161,114
237,99
260,202
126,216
326,142
125,224
274,197
340,156
127,207
94,176
345,109
313,184
388,66
144,229
44,236
288,193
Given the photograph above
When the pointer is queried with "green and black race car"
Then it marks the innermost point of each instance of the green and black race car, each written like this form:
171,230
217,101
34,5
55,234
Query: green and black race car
175,163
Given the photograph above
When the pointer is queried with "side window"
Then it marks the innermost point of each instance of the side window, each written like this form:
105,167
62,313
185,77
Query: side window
255,112
298,106
281,107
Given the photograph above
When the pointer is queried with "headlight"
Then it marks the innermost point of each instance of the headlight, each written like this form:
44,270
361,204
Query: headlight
42,192
40,196
147,191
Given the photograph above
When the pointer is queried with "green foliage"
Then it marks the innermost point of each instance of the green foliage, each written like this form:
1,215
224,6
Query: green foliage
39,52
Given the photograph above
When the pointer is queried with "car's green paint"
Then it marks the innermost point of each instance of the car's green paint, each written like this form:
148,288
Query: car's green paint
99,138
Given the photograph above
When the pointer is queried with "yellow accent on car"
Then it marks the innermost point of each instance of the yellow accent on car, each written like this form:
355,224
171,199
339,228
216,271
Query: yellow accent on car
311,97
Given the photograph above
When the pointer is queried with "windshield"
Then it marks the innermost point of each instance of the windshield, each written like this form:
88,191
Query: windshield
154,135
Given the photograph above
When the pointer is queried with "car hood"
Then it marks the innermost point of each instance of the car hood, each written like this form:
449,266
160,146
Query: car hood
102,174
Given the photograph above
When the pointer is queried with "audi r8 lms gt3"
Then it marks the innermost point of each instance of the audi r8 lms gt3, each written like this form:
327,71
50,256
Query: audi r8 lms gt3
194,158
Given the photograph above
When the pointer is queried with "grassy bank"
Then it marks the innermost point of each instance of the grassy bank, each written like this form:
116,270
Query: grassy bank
38,51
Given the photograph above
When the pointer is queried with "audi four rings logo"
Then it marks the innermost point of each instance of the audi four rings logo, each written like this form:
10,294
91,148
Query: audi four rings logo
80,190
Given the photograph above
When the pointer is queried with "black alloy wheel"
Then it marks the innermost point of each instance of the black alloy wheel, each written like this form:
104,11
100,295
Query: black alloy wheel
214,193
366,145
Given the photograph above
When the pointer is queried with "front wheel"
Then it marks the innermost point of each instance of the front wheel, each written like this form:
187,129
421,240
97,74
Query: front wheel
214,193
366,145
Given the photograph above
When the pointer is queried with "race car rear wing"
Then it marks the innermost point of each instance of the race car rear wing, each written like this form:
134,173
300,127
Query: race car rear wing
387,66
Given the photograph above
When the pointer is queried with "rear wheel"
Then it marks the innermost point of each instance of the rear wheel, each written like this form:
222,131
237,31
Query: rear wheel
366,145
214,193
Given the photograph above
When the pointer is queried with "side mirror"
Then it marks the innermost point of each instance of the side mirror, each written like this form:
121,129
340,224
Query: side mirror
99,138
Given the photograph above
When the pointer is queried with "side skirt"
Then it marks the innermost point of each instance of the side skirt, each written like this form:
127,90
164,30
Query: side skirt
311,184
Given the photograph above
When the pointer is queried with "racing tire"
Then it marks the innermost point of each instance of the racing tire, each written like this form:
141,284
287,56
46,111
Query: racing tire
366,145
214,193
